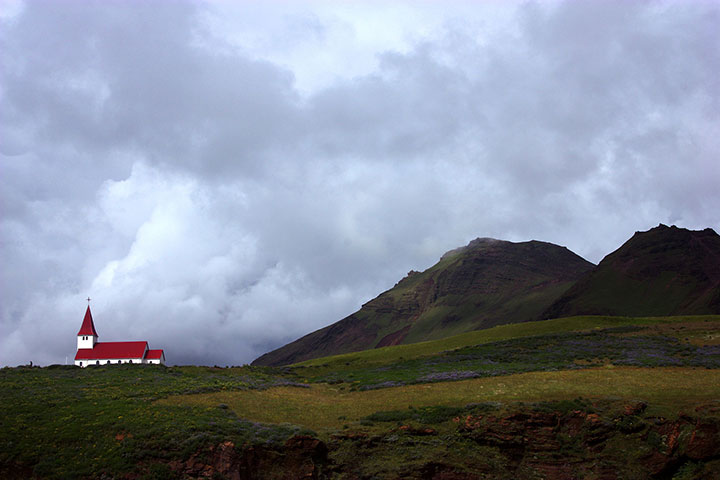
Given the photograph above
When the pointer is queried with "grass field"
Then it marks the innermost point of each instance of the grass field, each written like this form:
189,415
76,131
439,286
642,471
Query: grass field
126,421
554,347
65,422
326,407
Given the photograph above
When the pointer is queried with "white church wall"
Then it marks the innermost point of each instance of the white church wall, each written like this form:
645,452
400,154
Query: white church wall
156,361
86,341
111,361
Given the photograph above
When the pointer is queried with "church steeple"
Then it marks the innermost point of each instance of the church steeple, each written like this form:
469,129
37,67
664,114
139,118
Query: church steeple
87,336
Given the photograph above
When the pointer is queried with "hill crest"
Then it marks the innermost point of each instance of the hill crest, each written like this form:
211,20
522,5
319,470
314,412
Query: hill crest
485,283
666,270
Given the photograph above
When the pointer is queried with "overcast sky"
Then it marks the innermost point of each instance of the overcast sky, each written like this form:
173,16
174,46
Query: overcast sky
224,177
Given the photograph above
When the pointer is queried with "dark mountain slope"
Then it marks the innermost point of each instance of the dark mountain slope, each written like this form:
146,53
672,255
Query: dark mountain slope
487,283
664,271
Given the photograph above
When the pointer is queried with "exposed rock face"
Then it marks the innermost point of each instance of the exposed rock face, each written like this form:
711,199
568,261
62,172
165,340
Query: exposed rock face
302,457
486,283
664,271
563,446
557,446
552,445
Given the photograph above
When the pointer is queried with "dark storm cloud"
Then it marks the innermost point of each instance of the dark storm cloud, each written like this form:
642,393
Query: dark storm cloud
179,178
135,77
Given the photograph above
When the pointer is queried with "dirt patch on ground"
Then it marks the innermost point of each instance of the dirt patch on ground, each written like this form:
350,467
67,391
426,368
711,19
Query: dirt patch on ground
702,332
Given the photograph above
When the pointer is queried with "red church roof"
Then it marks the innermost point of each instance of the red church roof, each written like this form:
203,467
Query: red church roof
88,327
154,354
113,350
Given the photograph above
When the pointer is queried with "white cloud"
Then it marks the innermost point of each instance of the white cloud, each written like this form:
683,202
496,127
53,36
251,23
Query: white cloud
222,178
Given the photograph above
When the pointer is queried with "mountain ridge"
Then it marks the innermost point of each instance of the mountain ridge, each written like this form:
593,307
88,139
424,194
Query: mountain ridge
485,283
666,270
488,282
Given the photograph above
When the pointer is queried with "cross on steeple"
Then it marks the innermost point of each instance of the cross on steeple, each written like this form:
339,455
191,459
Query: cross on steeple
88,299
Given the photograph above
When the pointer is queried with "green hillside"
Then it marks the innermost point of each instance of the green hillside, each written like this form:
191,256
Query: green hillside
487,283
64,422
664,271
702,327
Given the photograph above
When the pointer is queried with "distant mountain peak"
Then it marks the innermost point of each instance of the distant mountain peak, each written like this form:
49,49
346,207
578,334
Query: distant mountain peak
667,270
662,228
485,241
479,242
485,283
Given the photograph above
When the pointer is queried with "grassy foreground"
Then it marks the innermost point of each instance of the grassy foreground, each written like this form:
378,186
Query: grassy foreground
66,422
668,391
637,397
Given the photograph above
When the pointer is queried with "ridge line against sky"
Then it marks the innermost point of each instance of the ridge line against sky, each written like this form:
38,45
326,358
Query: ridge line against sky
225,177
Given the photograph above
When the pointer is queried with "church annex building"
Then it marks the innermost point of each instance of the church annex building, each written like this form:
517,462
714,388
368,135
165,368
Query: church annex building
92,352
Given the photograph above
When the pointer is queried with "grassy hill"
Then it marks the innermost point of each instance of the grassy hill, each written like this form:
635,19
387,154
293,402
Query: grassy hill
592,397
697,329
664,271
487,283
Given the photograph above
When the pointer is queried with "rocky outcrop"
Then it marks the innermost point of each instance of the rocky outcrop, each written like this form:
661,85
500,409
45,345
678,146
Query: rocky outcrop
686,439
302,457
563,446
526,444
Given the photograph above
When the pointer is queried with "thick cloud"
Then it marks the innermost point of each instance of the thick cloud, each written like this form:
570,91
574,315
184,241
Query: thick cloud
223,178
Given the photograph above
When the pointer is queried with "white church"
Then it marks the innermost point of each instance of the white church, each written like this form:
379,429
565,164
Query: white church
92,352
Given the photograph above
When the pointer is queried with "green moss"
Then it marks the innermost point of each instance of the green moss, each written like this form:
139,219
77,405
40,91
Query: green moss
427,415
